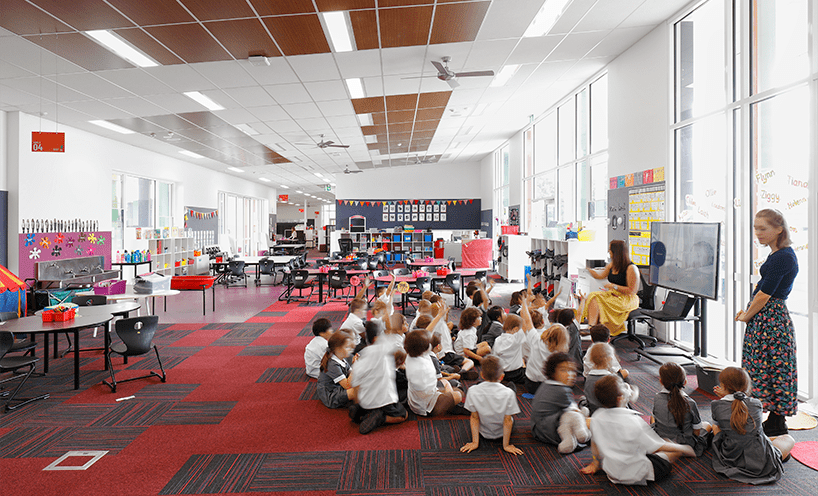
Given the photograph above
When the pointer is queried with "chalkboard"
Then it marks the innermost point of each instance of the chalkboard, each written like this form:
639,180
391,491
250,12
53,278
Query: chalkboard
387,214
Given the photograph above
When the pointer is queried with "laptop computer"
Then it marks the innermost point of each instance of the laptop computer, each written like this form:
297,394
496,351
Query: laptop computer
676,307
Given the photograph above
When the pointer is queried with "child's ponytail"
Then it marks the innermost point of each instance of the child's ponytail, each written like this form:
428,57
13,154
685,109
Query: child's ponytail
325,359
738,413
736,381
555,338
673,379
337,340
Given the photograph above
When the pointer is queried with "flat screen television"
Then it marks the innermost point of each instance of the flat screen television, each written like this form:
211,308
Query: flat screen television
684,257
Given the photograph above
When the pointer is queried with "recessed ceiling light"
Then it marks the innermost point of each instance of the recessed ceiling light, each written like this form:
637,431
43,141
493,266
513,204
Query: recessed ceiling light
122,48
356,88
246,129
338,28
365,119
546,18
112,127
284,186
235,169
203,100
504,75
371,138
318,174
300,192
264,179
190,154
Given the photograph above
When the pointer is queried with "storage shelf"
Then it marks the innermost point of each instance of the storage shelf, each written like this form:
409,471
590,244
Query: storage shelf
167,252
400,244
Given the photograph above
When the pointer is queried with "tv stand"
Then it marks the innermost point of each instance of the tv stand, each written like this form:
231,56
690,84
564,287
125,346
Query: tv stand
699,319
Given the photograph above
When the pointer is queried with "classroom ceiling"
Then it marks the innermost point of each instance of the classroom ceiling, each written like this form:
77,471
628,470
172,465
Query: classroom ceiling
297,97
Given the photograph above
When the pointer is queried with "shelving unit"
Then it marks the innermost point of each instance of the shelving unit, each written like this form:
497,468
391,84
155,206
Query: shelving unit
572,253
513,262
173,256
399,244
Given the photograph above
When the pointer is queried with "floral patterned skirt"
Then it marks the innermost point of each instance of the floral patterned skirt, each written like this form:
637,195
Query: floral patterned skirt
769,357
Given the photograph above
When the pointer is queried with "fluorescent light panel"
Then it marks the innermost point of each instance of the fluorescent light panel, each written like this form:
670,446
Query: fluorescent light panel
203,100
112,127
318,174
338,28
284,186
504,75
121,48
235,169
190,154
264,179
356,87
546,18
246,129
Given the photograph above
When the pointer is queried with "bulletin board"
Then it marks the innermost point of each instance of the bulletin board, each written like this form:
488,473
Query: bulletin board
421,214
634,202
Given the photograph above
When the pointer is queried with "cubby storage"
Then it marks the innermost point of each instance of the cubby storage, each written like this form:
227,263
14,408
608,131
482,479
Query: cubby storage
173,256
400,244
513,258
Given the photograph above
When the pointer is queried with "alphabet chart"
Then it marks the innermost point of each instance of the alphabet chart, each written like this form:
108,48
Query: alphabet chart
645,205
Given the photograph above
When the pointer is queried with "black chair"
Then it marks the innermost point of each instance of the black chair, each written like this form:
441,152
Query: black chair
300,280
362,262
266,267
429,269
646,293
454,284
137,335
345,244
235,272
403,271
372,262
13,364
422,284
338,281
482,276
381,259
85,301
25,345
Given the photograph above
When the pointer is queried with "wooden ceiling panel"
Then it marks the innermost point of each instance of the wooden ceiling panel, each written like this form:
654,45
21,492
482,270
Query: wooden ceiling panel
396,116
405,26
330,5
367,130
434,100
365,28
379,118
191,42
368,105
430,114
208,10
403,127
425,134
150,46
81,50
22,18
243,38
149,12
403,3
283,7
401,102
458,22
399,137
426,125
414,147
298,35
84,15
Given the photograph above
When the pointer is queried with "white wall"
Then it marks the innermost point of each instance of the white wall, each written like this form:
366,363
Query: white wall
515,170
3,151
487,182
639,106
431,181
287,213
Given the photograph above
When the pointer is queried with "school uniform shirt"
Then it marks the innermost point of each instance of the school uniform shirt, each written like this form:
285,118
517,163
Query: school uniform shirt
549,403
329,391
422,377
492,401
356,324
624,440
587,366
590,383
538,353
386,299
491,332
313,354
466,339
374,374
413,325
381,324
665,424
442,330
509,349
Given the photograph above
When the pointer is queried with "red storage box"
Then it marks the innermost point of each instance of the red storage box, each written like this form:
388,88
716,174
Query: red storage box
443,271
191,282
109,287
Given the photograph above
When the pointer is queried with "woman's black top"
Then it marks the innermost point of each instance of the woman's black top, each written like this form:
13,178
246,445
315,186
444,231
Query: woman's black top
620,279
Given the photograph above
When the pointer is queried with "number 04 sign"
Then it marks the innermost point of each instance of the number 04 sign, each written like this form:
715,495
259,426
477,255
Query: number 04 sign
47,142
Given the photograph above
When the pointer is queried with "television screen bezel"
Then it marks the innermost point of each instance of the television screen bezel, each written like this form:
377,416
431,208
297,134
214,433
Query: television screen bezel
716,262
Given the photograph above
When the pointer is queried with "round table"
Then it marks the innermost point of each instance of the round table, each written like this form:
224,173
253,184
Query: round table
437,262
129,294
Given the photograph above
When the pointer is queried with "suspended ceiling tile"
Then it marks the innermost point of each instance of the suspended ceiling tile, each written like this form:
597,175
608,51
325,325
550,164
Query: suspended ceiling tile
396,85
368,105
147,12
322,91
174,103
314,124
330,5
576,45
12,97
409,61
318,67
207,10
603,15
93,85
533,50
434,100
284,126
288,93
373,86
573,13
80,50
27,55
225,74
282,7
403,3
84,15
269,113
252,96
21,17
430,114
365,29
405,26
508,19
8,71
46,89
143,41
336,108
358,64
136,81
456,22
243,38
191,42
138,125
489,54
343,121
180,77
618,41
298,35
97,109
401,102
234,116
278,72
653,13
433,84
302,110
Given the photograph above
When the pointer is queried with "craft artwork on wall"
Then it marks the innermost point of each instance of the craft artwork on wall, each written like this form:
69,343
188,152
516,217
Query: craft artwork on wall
41,247
420,214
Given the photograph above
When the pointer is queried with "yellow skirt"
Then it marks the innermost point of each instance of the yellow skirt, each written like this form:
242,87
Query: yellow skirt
614,308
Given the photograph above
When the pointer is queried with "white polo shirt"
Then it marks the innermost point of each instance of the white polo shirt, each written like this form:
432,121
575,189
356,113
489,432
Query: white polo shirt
587,366
374,373
538,353
356,324
466,338
313,354
492,401
509,349
442,330
623,440
422,378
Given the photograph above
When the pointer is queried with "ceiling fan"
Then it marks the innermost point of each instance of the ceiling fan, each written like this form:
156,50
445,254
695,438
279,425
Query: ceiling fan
324,144
347,171
449,76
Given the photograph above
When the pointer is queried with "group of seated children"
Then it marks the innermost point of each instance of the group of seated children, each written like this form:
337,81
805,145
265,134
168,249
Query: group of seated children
375,367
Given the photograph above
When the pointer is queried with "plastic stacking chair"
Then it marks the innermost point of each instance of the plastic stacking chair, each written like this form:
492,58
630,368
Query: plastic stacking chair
137,335
300,280
372,262
25,345
422,284
338,281
402,271
13,364
236,273
266,267
85,301
454,285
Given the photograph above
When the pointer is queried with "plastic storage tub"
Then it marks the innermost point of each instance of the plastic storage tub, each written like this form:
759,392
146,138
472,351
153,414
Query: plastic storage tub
183,283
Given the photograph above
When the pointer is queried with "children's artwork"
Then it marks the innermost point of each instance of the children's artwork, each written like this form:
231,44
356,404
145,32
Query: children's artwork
422,217
391,209
414,208
442,217
436,208
414,217
392,216
385,217
443,208
422,207
437,217
400,217
400,208
385,208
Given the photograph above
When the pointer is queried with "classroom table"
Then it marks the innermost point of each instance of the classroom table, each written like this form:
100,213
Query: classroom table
321,276
437,262
278,260
288,248
129,294
35,325
341,261
135,266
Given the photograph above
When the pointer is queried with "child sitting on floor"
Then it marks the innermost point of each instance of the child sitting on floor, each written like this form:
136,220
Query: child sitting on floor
314,352
555,416
355,321
334,386
494,328
508,347
424,308
601,334
424,397
675,414
542,344
601,355
466,343
492,406
623,444
386,295
741,450
447,354
566,318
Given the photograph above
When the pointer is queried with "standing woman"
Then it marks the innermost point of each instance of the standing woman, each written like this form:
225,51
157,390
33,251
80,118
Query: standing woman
611,307
769,340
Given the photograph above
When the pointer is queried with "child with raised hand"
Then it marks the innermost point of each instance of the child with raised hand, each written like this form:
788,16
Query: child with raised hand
386,295
601,355
675,414
424,308
601,334
494,328
541,345
424,397
492,406
334,385
741,450
555,416
314,352
447,354
624,446
466,343
355,320
566,318
508,347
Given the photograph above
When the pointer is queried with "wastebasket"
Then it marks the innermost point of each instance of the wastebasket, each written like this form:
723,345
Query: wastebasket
439,248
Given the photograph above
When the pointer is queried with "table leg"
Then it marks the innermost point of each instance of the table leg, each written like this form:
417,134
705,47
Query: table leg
107,341
204,302
165,301
320,290
76,358
45,351
213,296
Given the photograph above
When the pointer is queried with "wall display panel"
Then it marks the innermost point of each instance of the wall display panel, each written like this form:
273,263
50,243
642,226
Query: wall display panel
451,214
634,202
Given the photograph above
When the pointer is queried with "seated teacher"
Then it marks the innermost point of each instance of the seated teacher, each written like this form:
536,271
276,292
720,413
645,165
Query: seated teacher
612,307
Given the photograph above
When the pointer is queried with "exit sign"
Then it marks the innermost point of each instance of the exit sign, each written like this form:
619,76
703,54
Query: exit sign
328,187
47,142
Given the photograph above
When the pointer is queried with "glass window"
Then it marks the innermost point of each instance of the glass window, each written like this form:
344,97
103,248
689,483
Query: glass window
583,189
566,211
599,114
567,121
583,123
700,68
780,39
164,215
545,143
599,186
